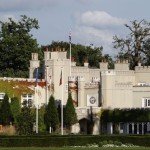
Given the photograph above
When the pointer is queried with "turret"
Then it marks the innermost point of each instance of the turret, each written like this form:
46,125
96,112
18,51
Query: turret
103,65
34,63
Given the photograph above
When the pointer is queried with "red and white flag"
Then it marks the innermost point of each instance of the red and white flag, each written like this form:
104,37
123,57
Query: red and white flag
60,82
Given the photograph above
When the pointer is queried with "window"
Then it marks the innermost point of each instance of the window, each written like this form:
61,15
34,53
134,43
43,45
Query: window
146,102
28,98
2,96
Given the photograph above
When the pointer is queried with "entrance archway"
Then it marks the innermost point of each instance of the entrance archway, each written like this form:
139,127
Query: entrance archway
86,126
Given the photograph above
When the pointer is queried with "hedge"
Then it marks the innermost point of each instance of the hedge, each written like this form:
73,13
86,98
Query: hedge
126,115
74,140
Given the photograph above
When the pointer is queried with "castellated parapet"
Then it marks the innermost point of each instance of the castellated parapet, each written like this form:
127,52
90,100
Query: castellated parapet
91,85
122,65
86,64
46,55
108,72
142,68
103,65
81,78
72,78
56,53
34,56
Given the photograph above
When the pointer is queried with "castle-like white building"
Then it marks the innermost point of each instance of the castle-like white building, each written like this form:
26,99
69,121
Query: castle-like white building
92,89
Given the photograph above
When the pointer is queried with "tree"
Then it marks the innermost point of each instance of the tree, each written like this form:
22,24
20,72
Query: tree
16,46
6,114
80,53
51,118
42,127
25,120
133,46
70,113
15,108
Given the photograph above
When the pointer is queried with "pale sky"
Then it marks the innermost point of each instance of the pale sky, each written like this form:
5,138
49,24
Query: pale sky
90,21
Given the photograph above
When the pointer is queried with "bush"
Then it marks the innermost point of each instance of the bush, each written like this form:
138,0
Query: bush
117,143
72,140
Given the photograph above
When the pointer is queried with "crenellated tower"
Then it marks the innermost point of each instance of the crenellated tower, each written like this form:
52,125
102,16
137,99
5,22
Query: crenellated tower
34,63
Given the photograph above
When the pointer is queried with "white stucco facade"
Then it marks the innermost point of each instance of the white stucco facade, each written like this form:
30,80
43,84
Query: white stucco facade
93,89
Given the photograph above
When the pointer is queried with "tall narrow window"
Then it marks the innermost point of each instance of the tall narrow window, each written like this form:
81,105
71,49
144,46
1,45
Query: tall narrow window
146,102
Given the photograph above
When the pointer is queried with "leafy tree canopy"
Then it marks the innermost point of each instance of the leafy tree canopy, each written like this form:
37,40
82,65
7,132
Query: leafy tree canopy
81,53
16,46
135,47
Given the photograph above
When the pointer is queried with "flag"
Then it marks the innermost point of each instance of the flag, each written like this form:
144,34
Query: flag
36,76
60,83
70,37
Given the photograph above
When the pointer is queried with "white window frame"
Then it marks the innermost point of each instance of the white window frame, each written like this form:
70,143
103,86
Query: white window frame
2,96
146,102
28,98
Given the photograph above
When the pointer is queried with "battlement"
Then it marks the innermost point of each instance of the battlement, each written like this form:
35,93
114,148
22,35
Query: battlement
123,84
103,65
122,61
108,72
142,68
95,79
122,65
72,78
34,56
58,55
91,85
81,78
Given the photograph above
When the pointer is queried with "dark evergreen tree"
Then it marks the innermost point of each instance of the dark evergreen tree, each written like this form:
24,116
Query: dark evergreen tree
51,118
6,114
25,121
15,108
70,113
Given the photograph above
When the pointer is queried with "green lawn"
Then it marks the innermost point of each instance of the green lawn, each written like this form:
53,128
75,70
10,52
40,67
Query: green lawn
74,148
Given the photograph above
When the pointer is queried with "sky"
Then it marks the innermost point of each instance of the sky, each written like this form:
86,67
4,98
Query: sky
90,21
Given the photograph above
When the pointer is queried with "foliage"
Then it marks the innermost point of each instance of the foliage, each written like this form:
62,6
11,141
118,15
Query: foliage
5,112
16,46
76,140
15,108
126,115
25,121
70,116
51,118
81,53
134,47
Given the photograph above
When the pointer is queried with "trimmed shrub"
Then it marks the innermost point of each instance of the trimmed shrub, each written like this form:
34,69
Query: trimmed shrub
75,140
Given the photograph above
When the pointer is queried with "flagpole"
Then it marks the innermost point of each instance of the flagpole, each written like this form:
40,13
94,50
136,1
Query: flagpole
37,115
36,90
62,120
70,50
46,70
